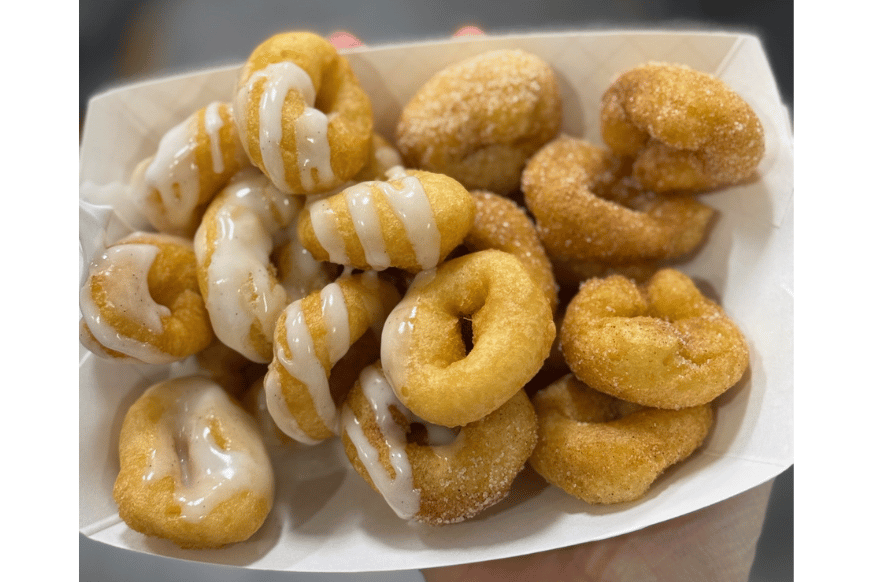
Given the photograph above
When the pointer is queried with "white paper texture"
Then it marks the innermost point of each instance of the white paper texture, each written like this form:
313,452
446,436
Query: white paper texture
326,519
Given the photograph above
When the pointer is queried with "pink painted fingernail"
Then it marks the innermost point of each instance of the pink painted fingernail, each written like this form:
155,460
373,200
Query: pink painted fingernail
342,39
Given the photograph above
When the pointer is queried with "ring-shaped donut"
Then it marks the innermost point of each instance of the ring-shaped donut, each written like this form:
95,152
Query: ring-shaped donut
565,187
193,466
194,160
603,450
424,354
242,226
141,301
302,116
426,472
685,129
412,222
312,334
660,344
479,120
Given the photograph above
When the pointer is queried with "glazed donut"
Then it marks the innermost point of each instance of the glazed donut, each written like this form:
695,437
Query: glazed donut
141,301
312,334
479,120
411,222
603,450
662,344
240,229
685,129
423,346
430,473
565,185
194,469
502,224
303,118
194,160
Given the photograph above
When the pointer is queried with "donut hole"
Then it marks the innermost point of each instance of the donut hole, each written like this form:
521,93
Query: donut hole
466,324
345,372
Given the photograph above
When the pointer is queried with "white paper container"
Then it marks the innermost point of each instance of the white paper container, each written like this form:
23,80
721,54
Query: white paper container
326,519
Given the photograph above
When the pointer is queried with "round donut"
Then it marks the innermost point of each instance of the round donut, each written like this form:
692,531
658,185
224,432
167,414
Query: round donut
312,334
303,118
685,129
502,224
194,160
141,301
193,466
411,222
574,191
423,345
603,450
430,473
479,120
240,229
661,344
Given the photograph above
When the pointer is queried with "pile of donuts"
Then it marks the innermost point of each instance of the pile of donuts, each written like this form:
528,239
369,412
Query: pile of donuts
473,294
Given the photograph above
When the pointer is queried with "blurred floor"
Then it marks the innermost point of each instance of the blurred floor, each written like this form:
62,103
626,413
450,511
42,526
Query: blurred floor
121,40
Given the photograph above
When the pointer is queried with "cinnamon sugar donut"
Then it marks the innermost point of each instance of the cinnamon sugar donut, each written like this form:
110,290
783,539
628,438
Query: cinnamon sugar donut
584,213
303,118
141,301
194,160
426,472
604,450
660,344
411,222
423,349
479,120
685,129
312,334
240,230
193,467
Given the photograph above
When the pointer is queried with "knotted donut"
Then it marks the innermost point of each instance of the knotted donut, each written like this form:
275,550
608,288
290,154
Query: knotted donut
502,224
303,118
193,466
685,129
423,345
194,160
574,191
312,334
411,222
479,120
141,301
242,226
603,450
661,344
430,473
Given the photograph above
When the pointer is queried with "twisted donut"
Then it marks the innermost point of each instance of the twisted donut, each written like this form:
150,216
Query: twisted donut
239,231
603,450
312,334
141,301
479,120
194,160
426,472
502,224
411,222
687,130
661,344
302,116
567,186
423,350
193,467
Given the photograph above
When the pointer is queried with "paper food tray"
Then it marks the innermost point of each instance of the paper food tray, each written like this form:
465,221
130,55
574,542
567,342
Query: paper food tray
323,508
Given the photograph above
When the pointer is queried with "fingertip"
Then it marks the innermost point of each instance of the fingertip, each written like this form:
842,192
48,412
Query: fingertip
469,30
342,39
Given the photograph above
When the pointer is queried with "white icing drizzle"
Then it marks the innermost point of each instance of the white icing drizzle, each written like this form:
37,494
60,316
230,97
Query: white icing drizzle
400,492
253,213
409,202
186,449
125,268
213,123
310,128
387,157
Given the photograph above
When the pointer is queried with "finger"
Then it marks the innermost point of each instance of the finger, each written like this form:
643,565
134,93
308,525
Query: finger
469,30
342,40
